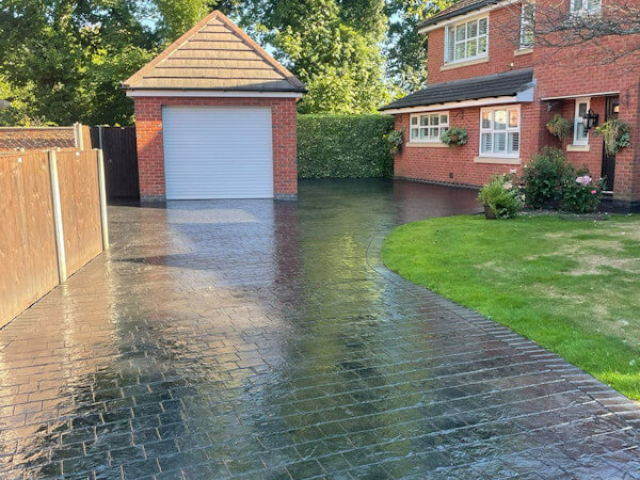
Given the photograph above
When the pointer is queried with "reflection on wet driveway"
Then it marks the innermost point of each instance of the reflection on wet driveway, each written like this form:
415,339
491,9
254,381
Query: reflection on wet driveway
265,340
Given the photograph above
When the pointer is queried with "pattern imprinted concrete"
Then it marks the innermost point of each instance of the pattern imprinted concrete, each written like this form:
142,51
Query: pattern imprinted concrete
265,340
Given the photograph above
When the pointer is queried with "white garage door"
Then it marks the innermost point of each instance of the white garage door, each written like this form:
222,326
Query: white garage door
217,152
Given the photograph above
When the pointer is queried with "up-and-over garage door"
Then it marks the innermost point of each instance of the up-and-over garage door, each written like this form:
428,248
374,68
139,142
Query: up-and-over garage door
217,152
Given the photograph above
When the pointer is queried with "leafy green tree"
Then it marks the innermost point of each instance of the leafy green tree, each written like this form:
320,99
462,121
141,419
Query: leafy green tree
332,46
405,48
174,17
56,53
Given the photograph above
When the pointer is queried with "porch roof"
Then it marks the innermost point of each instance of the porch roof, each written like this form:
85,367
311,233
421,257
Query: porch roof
499,85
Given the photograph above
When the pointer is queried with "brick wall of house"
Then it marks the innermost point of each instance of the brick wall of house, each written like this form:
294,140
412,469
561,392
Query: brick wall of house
456,165
572,71
31,138
583,70
504,34
593,158
148,111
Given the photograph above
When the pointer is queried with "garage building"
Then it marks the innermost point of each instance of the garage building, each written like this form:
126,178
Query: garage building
215,118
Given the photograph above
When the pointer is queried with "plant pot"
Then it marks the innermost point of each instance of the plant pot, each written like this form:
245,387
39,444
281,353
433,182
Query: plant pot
454,139
489,214
552,130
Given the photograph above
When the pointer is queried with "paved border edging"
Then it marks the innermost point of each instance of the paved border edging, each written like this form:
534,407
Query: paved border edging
612,400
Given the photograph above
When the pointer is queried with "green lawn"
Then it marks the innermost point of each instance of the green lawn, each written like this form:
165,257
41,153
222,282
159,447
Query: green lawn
571,286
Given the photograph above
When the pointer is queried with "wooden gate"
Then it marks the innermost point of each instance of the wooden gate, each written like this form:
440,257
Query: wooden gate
120,159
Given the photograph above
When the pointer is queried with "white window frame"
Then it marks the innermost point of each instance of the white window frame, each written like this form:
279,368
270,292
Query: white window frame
577,119
527,20
584,8
507,131
442,127
453,60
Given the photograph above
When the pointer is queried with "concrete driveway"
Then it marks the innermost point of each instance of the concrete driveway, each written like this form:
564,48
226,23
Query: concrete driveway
262,340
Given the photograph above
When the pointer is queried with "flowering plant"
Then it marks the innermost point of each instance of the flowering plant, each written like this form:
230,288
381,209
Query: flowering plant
584,180
581,193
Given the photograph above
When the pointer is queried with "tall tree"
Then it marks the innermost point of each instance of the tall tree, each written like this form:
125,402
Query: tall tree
332,46
58,55
405,48
64,59
174,17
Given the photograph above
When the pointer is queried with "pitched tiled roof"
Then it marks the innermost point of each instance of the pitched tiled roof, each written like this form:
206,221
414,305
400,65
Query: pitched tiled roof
215,55
502,84
459,8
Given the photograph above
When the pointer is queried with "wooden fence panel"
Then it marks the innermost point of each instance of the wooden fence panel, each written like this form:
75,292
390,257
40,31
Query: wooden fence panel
80,202
27,241
120,159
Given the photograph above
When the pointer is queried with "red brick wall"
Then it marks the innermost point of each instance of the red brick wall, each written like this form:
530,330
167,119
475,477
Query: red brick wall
36,138
585,70
567,72
148,112
504,34
456,165
593,158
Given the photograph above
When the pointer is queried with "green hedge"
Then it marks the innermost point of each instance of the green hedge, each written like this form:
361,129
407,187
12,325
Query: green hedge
344,146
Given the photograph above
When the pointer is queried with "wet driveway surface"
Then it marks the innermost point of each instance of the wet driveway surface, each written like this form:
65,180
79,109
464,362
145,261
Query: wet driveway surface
262,340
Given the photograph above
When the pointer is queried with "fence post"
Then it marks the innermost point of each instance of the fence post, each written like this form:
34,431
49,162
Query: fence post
100,137
57,215
102,186
77,133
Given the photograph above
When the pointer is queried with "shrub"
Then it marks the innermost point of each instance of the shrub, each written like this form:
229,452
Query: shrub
344,146
502,196
455,136
543,177
580,192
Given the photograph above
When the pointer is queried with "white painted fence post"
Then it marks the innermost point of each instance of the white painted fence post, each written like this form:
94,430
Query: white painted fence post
103,200
57,215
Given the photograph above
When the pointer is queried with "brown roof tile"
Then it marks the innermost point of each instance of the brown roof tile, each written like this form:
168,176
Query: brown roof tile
215,55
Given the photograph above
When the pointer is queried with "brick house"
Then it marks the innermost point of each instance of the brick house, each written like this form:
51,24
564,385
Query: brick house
215,118
489,74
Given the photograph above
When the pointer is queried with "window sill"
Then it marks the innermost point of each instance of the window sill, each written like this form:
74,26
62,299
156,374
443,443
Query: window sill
498,160
451,66
523,51
425,145
578,148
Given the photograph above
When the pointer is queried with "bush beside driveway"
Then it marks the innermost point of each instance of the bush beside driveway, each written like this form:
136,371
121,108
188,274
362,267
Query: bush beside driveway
344,146
571,286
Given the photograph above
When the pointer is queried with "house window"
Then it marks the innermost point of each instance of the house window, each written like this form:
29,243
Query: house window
586,6
500,132
467,41
428,127
581,134
527,25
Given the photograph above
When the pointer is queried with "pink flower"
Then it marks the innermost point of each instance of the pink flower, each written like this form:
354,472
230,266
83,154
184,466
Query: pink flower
584,180
593,192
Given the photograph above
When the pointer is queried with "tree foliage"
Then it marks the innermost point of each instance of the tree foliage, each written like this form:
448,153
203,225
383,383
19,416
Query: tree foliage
61,56
405,48
344,146
63,61
333,46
